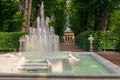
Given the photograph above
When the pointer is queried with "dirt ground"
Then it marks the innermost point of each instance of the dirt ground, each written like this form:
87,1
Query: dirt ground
111,56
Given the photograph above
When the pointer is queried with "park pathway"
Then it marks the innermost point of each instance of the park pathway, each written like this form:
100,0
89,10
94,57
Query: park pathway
69,47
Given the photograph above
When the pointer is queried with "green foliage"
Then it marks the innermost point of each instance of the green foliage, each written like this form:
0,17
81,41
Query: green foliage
81,15
82,40
49,6
10,41
57,16
114,22
109,40
93,15
11,17
55,10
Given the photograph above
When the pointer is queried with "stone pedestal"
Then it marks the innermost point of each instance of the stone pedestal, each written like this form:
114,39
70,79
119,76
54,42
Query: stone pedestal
21,44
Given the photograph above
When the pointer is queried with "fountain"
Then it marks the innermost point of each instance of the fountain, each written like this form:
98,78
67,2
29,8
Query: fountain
42,43
42,59
41,38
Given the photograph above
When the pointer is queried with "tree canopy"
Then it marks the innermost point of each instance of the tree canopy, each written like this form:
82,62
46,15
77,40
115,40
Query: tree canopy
10,17
92,14
84,15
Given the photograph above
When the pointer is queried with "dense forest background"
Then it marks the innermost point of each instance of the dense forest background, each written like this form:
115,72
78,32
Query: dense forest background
83,15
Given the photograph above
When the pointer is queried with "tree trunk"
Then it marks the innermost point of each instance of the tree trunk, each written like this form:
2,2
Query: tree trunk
27,13
1,19
105,16
101,16
97,12
84,20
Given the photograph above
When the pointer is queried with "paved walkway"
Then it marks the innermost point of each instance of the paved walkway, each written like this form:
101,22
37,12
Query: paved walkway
69,47
112,56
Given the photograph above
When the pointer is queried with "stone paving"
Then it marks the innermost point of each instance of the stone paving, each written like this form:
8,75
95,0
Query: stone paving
69,47
112,56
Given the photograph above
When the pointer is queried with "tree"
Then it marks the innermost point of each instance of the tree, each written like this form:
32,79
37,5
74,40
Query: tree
101,15
91,15
114,22
59,17
81,12
55,10
27,13
1,18
8,11
103,9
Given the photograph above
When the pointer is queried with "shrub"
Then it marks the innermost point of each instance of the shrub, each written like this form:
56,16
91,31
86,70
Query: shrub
82,40
109,40
9,41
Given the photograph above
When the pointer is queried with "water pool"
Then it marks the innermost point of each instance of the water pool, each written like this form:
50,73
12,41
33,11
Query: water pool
60,65
88,65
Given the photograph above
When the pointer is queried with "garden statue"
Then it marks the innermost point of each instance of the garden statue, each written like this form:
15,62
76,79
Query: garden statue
91,42
21,40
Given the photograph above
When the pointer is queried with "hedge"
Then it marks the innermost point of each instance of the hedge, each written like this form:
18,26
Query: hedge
9,41
109,40
82,40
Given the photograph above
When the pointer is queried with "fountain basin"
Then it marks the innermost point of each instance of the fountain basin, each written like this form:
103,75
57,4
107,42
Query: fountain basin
113,70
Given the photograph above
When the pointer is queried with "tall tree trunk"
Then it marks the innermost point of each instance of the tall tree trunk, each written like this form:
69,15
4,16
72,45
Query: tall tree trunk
97,13
27,13
105,16
1,22
101,16
84,20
